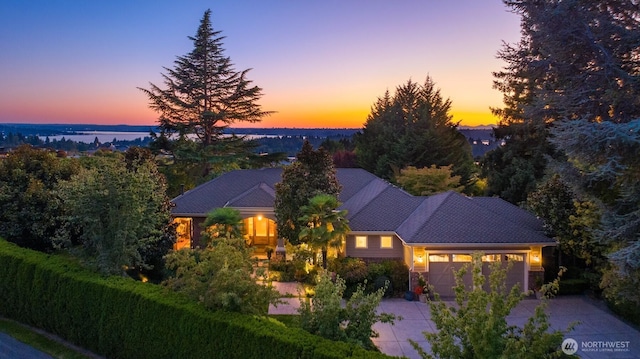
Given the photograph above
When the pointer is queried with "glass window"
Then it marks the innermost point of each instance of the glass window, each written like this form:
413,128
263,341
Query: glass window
491,258
438,258
386,242
183,231
461,258
361,241
514,257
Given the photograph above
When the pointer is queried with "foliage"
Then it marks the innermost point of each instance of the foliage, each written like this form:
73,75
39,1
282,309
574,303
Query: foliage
120,318
584,68
326,225
202,96
311,174
326,317
476,326
31,212
220,277
355,272
118,207
222,223
428,180
604,165
413,128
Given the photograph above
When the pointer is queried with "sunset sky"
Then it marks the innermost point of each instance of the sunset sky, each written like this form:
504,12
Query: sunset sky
320,63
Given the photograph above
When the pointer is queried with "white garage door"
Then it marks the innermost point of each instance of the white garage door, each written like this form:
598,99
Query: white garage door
442,267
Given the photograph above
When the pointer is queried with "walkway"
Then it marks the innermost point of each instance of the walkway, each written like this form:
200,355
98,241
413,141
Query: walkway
598,328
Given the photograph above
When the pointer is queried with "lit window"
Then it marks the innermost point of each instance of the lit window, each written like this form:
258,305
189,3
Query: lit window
491,258
361,241
386,242
460,258
438,258
514,257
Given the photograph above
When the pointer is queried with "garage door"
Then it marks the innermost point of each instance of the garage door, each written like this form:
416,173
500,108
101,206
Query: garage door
442,267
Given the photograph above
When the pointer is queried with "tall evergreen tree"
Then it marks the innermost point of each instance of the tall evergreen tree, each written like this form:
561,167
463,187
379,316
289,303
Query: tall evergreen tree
413,128
203,96
311,174
585,68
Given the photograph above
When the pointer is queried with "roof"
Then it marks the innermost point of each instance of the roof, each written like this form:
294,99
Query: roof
374,205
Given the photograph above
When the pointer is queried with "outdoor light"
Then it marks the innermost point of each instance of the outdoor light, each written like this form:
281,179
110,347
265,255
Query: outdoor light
535,257
259,217
419,259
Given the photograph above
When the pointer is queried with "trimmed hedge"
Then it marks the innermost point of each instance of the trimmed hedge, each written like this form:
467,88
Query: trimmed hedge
121,318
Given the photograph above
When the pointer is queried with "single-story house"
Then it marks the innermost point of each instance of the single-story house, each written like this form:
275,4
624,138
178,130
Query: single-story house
432,234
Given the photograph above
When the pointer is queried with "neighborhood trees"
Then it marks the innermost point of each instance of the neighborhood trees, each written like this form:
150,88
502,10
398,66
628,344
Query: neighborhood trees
428,180
118,208
31,212
311,174
202,96
413,127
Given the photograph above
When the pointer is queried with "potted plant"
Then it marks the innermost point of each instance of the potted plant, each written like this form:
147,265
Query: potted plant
537,288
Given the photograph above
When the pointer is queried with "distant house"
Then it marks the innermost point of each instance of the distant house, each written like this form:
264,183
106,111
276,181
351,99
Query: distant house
432,235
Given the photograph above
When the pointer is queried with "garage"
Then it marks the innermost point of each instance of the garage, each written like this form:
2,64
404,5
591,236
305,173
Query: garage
443,265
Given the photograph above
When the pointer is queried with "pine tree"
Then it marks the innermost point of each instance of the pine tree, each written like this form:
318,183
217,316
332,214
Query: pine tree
413,128
203,96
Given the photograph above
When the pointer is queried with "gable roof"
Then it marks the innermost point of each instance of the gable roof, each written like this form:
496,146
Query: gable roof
374,205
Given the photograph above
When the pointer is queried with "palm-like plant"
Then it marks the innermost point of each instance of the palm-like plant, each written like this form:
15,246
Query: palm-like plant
326,225
222,223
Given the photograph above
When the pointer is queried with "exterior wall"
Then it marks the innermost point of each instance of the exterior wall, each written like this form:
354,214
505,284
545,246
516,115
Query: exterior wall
373,249
196,241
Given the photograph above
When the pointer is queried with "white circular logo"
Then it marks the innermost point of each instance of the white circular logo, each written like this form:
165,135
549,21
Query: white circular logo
569,346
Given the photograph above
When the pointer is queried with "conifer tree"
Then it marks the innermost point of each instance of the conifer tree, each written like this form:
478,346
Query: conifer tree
203,95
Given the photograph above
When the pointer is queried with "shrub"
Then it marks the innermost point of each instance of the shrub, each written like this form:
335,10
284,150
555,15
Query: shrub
118,317
394,269
573,286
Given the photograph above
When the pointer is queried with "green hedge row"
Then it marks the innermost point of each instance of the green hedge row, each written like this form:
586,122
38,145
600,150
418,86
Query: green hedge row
121,318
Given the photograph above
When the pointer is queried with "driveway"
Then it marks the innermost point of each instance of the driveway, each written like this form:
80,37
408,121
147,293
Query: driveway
597,333
11,348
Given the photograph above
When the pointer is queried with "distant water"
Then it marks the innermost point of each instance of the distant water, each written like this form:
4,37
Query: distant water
103,136
107,136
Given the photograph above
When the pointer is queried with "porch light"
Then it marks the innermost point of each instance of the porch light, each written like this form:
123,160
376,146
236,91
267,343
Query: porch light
535,256
420,259
259,217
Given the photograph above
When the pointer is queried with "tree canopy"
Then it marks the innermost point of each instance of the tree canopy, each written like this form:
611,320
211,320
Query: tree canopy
311,174
413,127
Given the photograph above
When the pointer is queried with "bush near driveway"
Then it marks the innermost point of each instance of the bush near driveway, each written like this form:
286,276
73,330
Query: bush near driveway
120,318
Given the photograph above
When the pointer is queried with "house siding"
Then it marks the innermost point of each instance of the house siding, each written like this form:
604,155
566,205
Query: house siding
373,249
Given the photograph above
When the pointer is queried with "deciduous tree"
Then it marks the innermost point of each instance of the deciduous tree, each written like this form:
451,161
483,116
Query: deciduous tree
428,180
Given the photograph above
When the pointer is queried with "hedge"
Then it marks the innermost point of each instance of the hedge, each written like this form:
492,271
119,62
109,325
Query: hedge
120,318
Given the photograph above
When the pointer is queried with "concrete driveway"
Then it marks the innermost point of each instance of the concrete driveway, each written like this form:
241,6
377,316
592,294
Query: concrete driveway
599,335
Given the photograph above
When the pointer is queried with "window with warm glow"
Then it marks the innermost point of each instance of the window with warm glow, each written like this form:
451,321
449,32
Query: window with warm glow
491,258
361,241
460,258
514,257
183,232
386,242
438,258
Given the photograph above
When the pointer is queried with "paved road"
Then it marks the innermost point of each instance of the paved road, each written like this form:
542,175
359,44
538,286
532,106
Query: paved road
14,349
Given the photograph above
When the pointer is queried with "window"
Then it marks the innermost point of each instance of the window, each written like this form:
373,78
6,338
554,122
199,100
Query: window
386,242
514,257
460,258
183,231
361,241
438,258
491,258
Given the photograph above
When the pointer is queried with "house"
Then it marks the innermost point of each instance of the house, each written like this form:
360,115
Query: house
432,235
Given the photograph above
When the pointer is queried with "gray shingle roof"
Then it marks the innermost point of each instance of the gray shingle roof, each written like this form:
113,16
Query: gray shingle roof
375,205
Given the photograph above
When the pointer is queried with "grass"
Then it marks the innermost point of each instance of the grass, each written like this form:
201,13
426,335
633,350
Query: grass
38,341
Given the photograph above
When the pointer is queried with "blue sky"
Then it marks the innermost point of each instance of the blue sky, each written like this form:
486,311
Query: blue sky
320,64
